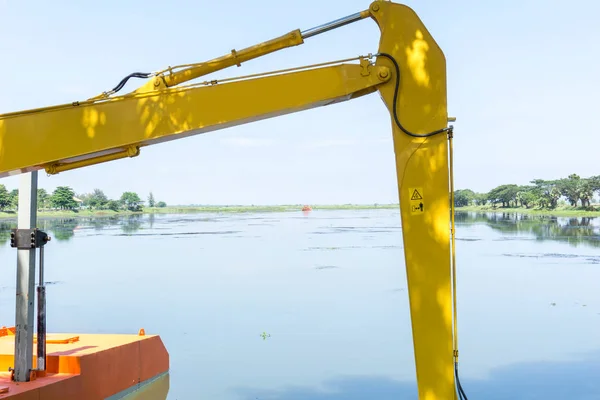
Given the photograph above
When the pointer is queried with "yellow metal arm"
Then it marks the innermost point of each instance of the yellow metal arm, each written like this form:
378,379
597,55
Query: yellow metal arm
73,136
170,78
409,73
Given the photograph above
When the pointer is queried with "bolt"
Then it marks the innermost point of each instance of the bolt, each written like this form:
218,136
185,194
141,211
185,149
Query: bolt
383,74
375,7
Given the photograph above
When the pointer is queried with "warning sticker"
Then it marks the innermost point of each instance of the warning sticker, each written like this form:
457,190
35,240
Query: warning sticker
416,195
417,205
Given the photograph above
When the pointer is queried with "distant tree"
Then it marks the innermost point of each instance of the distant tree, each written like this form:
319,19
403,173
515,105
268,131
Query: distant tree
594,186
547,193
112,205
505,194
4,198
161,204
463,197
480,199
526,196
62,198
85,199
97,199
151,200
595,181
570,188
586,192
42,199
14,198
131,201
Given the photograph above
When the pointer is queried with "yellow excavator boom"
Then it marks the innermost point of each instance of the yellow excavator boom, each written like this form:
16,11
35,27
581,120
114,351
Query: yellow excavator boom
408,72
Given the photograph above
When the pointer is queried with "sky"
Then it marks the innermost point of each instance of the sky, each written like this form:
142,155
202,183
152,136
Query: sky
522,82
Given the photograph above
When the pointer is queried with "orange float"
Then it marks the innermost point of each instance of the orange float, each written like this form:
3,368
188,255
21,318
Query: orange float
90,367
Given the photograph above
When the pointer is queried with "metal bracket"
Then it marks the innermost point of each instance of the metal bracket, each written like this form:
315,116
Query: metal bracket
26,239
33,374
365,67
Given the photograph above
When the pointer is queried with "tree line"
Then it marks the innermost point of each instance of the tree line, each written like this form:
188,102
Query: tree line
542,194
64,198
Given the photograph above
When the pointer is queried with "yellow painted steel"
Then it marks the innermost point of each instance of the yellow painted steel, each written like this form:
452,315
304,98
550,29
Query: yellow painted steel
84,134
169,78
422,163
75,135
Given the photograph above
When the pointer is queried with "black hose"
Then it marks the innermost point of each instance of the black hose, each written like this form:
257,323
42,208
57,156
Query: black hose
461,392
121,84
394,104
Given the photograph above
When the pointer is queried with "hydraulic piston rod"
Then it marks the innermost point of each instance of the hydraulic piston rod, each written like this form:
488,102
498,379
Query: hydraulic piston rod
334,24
170,78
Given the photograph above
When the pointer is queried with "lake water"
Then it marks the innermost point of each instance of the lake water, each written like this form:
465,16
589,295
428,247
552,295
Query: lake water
328,289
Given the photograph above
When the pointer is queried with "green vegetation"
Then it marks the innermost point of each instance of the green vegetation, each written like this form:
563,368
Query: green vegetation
571,196
64,202
151,202
129,204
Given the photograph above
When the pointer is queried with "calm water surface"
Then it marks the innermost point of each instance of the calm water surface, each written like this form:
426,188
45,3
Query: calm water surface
329,288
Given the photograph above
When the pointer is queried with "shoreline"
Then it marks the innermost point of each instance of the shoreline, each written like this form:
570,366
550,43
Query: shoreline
560,212
201,209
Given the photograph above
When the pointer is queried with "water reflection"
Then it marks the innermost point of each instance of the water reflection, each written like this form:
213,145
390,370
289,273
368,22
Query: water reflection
63,229
572,380
572,230
132,223
352,334
5,227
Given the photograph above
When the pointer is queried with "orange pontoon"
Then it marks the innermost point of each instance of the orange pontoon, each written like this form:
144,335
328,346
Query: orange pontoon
90,367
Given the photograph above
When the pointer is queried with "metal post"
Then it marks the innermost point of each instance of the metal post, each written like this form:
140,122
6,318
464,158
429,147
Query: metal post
41,317
27,218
